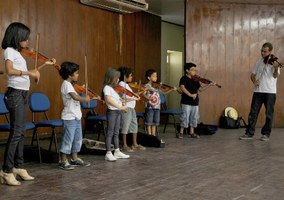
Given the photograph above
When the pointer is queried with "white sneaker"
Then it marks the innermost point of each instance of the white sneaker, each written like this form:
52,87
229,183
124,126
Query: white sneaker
118,155
109,157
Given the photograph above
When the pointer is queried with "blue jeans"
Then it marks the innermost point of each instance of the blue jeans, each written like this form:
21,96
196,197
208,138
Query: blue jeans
257,100
16,103
113,126
71,136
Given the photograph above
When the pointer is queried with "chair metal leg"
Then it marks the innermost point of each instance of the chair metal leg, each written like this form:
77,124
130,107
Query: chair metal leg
33,137
38,146
157,131
55,142
99,131
53,138
101,128
167,119
175,125
84,132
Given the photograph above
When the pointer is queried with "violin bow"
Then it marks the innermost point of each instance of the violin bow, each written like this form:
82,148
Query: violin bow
124,91
139,86
86,76
36,53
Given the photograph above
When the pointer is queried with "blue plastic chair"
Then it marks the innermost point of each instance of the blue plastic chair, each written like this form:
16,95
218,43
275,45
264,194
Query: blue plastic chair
39,103
94,119
168,112
5,127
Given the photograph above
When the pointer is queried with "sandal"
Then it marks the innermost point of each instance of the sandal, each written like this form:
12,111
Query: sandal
127,149
180,136
138,147
193,135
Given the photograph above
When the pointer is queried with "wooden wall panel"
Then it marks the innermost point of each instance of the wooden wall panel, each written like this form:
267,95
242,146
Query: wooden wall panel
224,40
70,30
147,47
147,40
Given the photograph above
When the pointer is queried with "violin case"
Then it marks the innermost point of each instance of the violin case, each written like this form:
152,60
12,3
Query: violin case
147,140
94,147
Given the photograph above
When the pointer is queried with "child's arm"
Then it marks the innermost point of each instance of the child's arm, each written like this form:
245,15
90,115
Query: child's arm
79,98
184,90
169,90
10,70
205,87
114,104
48,62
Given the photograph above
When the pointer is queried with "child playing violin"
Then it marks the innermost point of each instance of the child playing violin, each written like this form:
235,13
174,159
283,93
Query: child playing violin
71,116
129,119
115,109
152,104
190,100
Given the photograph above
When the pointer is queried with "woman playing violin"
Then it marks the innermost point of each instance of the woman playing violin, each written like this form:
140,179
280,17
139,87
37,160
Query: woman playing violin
129,118
190,99
152,105
16,37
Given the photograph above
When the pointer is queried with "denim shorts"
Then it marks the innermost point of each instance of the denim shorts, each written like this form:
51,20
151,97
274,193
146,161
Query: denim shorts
152,117
190,116
71,136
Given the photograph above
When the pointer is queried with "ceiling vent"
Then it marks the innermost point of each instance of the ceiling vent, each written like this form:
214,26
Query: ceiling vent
120,6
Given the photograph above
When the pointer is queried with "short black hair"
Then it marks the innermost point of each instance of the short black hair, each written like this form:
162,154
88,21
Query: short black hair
15,33
67,69
124,71
149,72
269,45
189,65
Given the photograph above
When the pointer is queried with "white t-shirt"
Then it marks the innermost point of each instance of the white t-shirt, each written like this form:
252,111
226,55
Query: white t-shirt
264,73
109,91
19,63
130,102
72,108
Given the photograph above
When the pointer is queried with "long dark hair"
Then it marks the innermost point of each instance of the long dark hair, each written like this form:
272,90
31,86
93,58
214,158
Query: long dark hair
15,33
111,77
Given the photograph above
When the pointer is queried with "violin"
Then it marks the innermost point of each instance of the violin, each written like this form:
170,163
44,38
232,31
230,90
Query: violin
137,86
204,80
270,59
28,52
141,88
164,86
81,89
121,90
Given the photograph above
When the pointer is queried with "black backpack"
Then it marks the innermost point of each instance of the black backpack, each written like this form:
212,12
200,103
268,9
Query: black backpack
231,121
